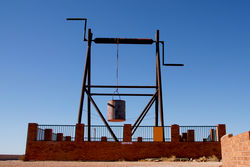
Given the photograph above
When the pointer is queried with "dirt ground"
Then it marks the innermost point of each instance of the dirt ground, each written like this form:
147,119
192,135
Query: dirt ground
16,163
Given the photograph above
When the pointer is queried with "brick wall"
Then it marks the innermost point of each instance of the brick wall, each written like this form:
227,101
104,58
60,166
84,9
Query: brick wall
107,151
236,150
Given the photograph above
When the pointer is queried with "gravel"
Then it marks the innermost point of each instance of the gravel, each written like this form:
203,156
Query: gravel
16,163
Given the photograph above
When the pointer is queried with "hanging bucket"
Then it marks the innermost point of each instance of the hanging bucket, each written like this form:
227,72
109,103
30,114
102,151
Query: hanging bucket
116,110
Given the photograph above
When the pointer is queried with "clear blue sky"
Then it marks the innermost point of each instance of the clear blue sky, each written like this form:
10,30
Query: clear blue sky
42,60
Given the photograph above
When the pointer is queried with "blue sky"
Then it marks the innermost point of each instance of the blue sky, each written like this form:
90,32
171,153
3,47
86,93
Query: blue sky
42,60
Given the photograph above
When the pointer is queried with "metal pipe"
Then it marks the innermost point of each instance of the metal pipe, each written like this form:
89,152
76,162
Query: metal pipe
100,114
123,40
119,86
120,94
158,65
85,25
76,19
163,56
173,64
84,76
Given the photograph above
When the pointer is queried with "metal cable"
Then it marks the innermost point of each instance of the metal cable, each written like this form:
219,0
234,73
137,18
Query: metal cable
117,67
117,56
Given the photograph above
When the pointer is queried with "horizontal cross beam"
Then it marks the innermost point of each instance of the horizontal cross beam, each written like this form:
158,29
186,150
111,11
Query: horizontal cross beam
123,41
119,86
120,94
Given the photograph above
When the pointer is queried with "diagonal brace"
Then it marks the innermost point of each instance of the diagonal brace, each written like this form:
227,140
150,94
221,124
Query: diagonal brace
144,110
144,114
100,114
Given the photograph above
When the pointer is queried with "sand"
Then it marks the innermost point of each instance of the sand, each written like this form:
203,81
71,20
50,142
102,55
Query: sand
17,163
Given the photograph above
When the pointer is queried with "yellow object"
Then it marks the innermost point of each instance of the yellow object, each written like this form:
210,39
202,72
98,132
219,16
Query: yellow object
158,135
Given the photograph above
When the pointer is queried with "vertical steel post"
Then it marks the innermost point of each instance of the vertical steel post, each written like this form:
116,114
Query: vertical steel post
156,99
89,83
158,66
84,77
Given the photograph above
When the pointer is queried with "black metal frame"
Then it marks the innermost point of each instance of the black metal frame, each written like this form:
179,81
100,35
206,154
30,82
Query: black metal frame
86,87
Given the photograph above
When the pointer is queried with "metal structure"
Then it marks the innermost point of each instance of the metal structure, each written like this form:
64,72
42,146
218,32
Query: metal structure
86,84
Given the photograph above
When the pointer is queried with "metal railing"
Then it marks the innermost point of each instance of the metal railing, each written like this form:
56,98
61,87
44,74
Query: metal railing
98,131
201,133
146,132
67,130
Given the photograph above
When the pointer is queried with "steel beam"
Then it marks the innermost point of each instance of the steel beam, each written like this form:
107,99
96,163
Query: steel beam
158,65
156,111
85,76
120,94
144,110
122,41
144,114
89,90
156,99
119,86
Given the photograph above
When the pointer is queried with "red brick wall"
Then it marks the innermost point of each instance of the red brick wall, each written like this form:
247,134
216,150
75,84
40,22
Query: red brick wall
54,150
107,151
236,150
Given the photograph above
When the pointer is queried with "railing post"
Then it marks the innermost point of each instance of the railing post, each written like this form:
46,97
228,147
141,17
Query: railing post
48,135
190,135
221,131
79,132
175,133
32,132
127,133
